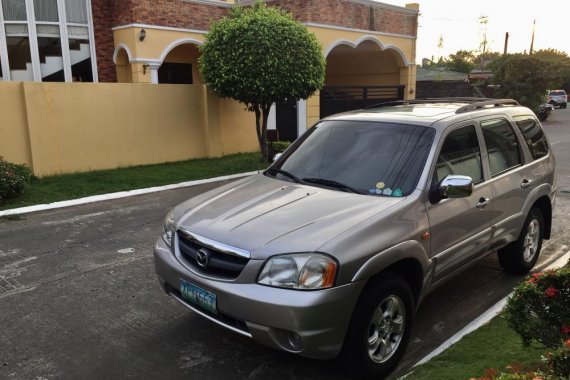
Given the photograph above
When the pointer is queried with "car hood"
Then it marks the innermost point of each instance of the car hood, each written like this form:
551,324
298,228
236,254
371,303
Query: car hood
267,216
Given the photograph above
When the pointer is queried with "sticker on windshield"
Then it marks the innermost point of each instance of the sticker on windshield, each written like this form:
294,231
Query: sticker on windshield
372,191
387,191
397,193
378,191
380,185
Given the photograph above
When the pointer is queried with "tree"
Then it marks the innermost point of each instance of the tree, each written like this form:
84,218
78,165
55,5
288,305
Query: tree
523,78
259,56
462,61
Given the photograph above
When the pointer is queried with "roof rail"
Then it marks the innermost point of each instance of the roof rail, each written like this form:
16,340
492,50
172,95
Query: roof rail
472,103
485,103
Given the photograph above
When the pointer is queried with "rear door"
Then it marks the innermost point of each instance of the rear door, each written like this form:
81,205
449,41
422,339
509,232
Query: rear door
519,162
460,228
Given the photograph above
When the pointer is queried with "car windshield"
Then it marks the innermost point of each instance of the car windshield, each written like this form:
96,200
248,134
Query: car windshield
557,93
365,157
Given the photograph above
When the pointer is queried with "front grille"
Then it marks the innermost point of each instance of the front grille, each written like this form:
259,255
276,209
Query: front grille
219,264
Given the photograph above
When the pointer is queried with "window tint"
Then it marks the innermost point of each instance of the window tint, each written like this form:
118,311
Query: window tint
533,136
460,155
374,158
557,93
502,146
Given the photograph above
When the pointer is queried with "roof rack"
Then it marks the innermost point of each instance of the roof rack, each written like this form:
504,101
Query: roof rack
486,103
473,104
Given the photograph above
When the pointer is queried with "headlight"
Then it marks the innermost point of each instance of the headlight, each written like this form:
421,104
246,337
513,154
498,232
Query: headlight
168,228
305,271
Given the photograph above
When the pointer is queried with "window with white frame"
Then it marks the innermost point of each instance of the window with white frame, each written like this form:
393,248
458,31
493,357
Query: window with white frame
47,40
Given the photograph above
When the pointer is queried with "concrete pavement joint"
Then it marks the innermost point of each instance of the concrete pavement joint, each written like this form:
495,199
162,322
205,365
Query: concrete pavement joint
118,195
483,318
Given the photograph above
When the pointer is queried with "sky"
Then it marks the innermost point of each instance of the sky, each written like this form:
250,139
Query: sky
457,22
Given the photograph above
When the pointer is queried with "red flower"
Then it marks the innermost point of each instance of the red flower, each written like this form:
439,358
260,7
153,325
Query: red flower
567,343
565,329
551,292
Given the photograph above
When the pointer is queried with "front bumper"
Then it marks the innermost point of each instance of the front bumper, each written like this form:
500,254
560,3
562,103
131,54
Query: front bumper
271,316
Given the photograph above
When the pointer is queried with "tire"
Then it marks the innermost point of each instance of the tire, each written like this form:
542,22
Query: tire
564,105
381,321
520,256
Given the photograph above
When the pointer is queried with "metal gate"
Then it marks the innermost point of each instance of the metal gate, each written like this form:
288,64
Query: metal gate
335,99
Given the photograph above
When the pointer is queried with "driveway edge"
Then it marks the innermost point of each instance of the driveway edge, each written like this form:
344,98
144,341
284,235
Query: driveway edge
120,194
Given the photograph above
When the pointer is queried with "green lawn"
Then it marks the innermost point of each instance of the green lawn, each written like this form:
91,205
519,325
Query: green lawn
494,345
71,186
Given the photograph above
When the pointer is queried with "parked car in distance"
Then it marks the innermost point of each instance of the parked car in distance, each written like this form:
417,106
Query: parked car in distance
331,249
557,98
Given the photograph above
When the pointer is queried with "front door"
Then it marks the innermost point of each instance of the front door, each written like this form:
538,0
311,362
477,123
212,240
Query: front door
286,120
460,227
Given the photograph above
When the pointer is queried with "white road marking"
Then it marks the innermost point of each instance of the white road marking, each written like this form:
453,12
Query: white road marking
121,194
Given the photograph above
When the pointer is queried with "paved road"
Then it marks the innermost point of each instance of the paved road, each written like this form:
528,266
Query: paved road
79,298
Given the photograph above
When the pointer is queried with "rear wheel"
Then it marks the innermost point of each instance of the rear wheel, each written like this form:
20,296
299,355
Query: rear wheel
380,327
520,256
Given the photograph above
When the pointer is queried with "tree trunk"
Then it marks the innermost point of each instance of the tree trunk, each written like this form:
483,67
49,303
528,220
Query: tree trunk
258,129
264,151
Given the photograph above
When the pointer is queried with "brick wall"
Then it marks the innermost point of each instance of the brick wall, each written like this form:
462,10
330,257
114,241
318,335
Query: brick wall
172,13
104,44
351,15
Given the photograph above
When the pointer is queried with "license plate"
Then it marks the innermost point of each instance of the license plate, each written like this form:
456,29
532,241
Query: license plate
198,296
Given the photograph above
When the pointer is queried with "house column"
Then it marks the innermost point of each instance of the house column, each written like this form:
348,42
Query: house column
154,72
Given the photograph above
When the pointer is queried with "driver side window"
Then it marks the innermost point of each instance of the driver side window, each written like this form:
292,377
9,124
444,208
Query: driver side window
460,155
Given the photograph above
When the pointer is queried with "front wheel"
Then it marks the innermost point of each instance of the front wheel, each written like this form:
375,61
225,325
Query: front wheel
380,327
520,256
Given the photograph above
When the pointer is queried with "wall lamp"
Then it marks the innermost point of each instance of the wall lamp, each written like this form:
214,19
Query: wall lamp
142,35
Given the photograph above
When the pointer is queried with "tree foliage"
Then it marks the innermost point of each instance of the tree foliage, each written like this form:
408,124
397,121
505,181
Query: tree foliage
462,61
524,78
259,56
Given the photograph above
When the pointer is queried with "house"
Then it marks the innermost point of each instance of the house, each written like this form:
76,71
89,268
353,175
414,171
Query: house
369,48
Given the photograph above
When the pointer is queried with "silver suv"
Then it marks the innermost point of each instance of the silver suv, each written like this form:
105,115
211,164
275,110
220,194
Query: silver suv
331,249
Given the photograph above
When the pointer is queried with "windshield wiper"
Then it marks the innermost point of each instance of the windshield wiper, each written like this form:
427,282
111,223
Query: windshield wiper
286,174
333,183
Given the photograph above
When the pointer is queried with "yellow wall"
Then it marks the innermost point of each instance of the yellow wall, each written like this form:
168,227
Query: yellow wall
74,127
14,137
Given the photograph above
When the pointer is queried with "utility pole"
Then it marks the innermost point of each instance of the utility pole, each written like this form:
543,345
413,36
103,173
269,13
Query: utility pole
506,43
483,20
532,39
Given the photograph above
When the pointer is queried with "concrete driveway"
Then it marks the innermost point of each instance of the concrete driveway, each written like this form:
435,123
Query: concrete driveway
79,297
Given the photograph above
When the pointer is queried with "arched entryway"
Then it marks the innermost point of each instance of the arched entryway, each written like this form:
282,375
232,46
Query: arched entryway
361,74
123,66
180,63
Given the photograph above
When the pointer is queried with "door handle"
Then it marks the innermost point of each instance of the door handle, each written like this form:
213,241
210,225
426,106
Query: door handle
483,202
526,183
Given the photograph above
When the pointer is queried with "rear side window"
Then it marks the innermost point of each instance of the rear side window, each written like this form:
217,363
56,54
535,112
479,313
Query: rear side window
460,155
533,136
502,146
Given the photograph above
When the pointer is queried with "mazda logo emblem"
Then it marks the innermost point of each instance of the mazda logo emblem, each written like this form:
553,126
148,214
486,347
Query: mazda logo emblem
202,257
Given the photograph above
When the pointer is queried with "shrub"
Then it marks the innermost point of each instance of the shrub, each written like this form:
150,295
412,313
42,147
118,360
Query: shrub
280,146
559,360
14,179
540,308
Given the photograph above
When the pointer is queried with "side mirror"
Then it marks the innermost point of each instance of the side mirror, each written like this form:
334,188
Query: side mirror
456,186
277,156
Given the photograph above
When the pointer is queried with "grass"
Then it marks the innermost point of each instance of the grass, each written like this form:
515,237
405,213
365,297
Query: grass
494,345
71,186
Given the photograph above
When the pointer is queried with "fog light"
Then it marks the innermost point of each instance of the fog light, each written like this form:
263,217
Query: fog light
295,340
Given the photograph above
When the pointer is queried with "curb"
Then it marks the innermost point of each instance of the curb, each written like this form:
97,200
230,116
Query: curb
118,195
